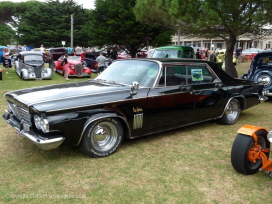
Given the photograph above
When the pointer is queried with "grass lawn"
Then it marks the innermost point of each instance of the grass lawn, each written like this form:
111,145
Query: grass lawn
186,165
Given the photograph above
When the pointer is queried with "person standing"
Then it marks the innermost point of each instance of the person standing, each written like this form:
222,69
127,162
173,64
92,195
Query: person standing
42,49
206,52
78,51
6,60
49,59
238,54
69,50
65,66
212,57
198,54
101,60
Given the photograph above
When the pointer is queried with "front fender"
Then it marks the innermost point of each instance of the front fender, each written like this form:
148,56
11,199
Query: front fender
250,130
25,74
105,115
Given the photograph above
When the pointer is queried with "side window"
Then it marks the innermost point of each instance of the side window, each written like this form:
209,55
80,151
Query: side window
182,75
188,54
173,76
265,60
199,74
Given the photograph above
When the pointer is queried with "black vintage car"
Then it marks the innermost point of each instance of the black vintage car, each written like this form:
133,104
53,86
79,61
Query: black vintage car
130,99
261,70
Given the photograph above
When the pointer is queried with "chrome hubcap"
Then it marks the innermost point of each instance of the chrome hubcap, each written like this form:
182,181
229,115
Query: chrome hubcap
104,136
232,110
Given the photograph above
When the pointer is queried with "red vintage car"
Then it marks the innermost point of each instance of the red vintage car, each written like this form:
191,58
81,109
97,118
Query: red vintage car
77,67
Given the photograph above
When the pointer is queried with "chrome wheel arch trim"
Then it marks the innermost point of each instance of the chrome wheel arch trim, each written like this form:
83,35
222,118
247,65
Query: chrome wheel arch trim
236,97
105,116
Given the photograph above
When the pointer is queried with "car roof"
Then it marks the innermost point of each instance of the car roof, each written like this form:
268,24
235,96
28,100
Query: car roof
30,53
173,47
170,60
57,48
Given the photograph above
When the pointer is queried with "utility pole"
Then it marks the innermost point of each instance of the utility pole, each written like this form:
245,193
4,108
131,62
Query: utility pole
72,31
178,37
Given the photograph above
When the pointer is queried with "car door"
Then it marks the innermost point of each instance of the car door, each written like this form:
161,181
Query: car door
209,92
171,102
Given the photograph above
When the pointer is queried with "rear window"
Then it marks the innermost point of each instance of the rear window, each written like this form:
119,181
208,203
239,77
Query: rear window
57,50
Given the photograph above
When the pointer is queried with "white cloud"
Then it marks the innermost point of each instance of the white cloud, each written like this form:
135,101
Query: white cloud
87,4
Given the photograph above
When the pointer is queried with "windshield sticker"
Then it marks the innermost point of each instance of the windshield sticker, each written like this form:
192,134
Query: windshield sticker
197,75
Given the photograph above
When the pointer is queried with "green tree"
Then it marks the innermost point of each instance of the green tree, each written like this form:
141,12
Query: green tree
227,19
49,23
7,34
114,23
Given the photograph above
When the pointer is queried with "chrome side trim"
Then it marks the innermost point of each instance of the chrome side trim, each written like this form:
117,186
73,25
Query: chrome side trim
138,121
106,116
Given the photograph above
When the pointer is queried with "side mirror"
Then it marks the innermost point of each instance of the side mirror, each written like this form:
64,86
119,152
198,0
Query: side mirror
134,87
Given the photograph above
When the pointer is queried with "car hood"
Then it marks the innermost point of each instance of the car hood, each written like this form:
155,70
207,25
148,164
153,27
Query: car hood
62,96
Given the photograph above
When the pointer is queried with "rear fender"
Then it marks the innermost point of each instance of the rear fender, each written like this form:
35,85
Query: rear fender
251,130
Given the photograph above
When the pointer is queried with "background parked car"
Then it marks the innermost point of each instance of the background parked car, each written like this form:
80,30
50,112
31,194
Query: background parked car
90,59
174,52
57,52
38,50
30,65
1,53
261,70
77,68
250,53
220,58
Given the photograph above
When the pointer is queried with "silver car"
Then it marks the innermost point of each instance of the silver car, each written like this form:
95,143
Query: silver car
30,65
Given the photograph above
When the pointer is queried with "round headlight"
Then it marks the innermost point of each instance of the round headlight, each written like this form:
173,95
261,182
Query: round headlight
265,79
41,124
269,136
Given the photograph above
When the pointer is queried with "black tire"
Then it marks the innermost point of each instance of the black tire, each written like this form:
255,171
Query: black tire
239,152
102,137
231,113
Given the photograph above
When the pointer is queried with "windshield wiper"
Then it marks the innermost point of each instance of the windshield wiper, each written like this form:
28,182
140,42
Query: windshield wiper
116,82
111,82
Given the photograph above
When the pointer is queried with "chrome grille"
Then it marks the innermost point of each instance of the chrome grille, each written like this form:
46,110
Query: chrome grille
78,69
19,110
38,72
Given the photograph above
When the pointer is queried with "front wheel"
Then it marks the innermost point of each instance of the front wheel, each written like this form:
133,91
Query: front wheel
242,149
102,137
231,113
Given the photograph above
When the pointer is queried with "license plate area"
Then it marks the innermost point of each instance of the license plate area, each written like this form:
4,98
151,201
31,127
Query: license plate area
26,127
19,135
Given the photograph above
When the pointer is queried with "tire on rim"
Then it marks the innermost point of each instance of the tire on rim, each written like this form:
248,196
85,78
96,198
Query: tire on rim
240,149
231,113
102,137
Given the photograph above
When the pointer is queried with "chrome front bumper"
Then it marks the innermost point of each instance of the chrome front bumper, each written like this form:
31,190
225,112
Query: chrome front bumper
42,142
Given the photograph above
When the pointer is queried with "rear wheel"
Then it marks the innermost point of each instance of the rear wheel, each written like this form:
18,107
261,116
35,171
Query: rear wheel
241,150
231,113
102,137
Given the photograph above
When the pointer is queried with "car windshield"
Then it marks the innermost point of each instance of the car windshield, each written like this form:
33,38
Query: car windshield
128,71
33,58
166,54
74,58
